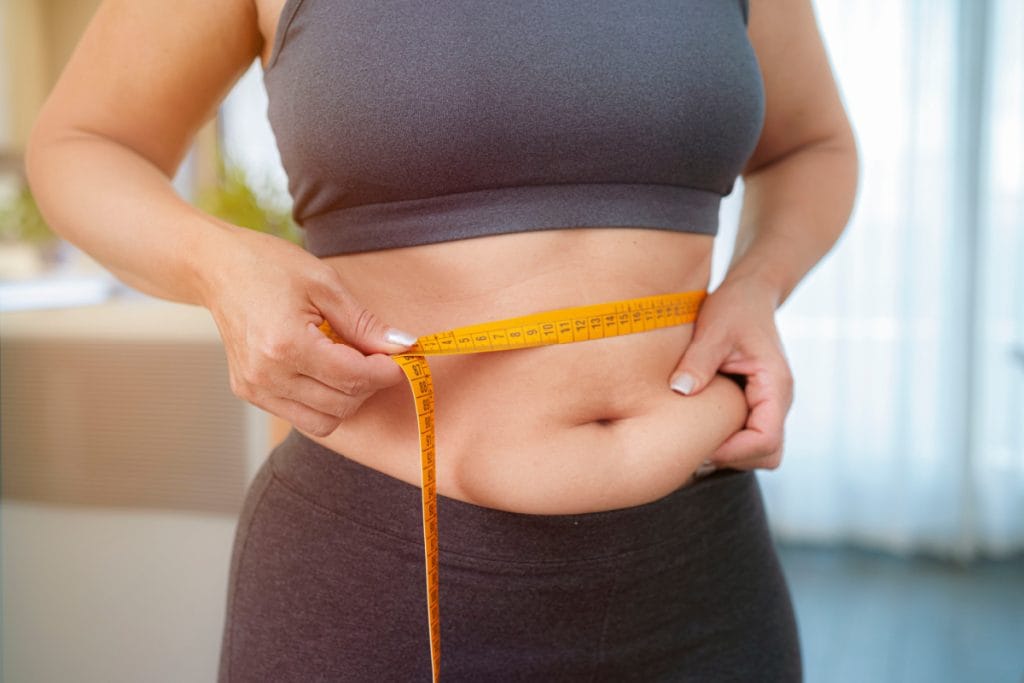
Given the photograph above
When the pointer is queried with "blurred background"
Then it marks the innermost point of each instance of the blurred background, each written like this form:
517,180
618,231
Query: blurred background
899,511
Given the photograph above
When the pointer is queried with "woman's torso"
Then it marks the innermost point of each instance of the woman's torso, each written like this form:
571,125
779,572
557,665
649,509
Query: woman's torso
573,428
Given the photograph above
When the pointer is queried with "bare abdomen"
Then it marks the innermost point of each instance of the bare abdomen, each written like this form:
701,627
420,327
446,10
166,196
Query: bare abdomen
575,428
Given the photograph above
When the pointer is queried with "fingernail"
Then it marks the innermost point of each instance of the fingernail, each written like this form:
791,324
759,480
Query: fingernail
399,338
706,468
684,384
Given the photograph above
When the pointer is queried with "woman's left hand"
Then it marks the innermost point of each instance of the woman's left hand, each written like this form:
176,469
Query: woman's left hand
735,333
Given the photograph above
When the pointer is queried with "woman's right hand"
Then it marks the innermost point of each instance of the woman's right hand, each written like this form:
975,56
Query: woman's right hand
101,157
268,297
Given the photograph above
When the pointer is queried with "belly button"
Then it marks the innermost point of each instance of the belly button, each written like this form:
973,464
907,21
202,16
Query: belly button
602,422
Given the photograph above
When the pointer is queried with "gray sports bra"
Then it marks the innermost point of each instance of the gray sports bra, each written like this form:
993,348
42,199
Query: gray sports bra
407,122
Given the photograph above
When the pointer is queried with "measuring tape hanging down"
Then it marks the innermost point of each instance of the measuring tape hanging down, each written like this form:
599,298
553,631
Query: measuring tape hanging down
562,326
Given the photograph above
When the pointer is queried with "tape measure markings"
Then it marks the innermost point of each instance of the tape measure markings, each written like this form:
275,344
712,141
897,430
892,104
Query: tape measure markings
562,326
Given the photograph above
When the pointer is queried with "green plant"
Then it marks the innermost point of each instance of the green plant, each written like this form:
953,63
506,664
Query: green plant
234,200
20,220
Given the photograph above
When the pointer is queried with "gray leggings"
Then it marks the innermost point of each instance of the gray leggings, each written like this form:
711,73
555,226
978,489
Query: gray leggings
327,584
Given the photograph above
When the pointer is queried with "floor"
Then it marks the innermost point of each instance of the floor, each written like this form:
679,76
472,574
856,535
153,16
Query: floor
871,617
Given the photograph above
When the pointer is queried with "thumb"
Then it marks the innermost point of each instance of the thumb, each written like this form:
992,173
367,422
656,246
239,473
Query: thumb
362,329
697,367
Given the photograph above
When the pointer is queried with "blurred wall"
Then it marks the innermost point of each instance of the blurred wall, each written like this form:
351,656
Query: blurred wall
36,40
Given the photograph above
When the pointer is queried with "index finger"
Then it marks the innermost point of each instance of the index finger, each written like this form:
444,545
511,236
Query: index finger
760,437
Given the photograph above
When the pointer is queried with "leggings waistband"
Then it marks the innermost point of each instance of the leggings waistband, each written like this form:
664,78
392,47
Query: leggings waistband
388,505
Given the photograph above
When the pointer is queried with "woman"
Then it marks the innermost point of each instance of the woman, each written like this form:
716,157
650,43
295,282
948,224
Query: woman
455,163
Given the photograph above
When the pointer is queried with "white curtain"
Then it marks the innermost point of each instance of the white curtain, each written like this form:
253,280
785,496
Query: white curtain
907,341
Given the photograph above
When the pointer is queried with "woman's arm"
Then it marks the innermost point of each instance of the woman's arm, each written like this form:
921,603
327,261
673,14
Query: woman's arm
801,180
143,79
141,82
800,184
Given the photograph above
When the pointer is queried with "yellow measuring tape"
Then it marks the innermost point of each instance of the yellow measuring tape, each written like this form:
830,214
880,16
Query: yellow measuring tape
562,326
